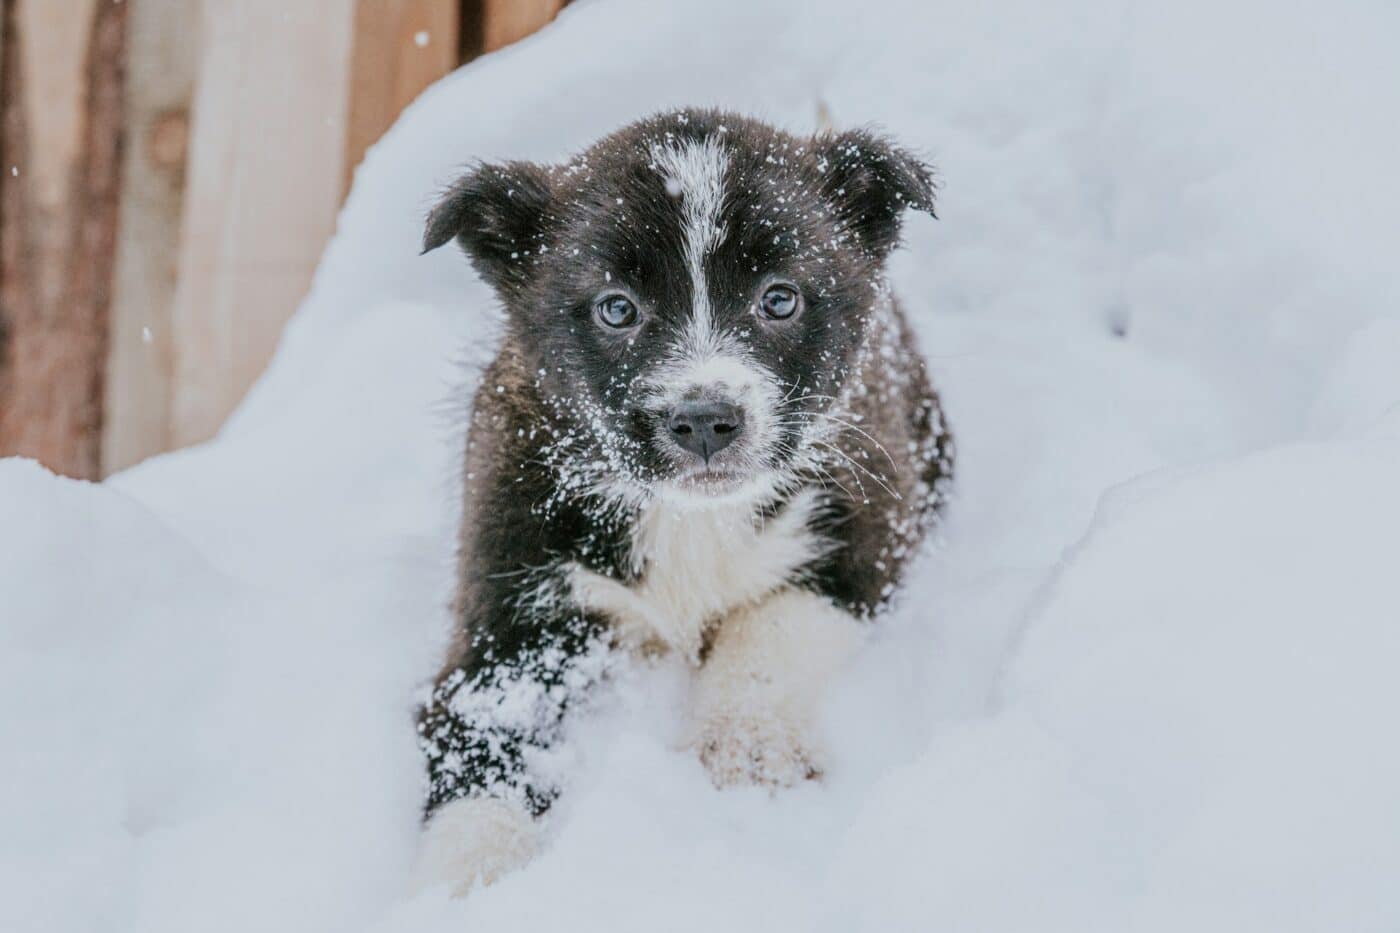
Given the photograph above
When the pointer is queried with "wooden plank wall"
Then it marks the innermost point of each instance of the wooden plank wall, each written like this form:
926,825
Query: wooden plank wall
507,21
162,61
178,166
60,147
399,48
262,189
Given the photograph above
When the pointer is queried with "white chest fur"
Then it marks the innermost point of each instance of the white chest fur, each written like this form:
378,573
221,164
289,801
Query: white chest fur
696,563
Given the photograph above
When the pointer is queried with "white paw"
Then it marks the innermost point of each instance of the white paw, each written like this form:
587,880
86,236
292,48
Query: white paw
763,751
756,697
474,841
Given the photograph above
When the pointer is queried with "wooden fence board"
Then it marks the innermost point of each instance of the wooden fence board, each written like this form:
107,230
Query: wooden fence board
60,149
162,59
400,47
507,21
263,185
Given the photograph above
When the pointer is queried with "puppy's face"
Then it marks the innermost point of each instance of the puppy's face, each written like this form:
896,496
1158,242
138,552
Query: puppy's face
691,292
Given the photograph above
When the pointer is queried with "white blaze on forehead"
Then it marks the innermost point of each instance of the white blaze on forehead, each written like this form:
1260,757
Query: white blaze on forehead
694,172
706,359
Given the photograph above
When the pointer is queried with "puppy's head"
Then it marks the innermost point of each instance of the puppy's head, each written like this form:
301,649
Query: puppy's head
692,291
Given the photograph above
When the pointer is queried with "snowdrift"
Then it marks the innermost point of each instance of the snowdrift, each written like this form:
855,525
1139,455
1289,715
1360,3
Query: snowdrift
1144,681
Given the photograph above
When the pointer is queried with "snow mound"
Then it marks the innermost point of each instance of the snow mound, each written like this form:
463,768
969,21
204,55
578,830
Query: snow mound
1143,683
1191,735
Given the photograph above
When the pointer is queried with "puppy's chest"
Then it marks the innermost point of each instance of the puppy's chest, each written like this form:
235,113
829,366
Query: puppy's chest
694,565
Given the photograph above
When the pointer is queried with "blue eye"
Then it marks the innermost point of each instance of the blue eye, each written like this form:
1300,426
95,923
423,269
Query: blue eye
780,302
617,311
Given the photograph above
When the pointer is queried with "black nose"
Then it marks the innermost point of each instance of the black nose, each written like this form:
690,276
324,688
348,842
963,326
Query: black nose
705,428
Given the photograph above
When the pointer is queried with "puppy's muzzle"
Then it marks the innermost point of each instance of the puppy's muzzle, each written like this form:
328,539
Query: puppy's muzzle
704,428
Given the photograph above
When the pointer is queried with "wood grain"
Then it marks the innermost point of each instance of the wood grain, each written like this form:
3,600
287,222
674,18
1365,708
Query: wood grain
400,47
60,157
162,50
263,185
507,21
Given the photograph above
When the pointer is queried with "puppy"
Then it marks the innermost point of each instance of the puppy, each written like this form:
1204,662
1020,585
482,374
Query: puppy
707,432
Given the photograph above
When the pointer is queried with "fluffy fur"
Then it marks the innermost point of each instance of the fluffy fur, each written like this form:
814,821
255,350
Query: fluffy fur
695,265
473,841
758,691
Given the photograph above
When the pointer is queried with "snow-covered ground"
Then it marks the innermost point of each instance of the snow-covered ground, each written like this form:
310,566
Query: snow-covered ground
1147,681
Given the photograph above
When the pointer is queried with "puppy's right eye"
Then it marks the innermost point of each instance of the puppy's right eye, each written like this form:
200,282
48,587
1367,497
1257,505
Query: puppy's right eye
616,311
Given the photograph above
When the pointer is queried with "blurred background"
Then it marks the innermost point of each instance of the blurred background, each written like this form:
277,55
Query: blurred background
170,171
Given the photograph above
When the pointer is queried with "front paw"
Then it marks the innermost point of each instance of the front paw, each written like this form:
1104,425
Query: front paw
474,841
760,751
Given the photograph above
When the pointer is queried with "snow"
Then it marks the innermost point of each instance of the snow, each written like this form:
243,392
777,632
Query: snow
1145,682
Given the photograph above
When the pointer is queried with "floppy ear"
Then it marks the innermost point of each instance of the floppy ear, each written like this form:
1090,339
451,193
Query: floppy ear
497,213
871,181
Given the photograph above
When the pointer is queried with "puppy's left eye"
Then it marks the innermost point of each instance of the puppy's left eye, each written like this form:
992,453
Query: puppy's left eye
780,302
616,311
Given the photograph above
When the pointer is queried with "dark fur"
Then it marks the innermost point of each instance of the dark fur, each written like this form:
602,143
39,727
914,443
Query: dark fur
824,212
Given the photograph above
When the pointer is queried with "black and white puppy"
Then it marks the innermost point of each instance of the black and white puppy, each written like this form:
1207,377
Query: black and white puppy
707,432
